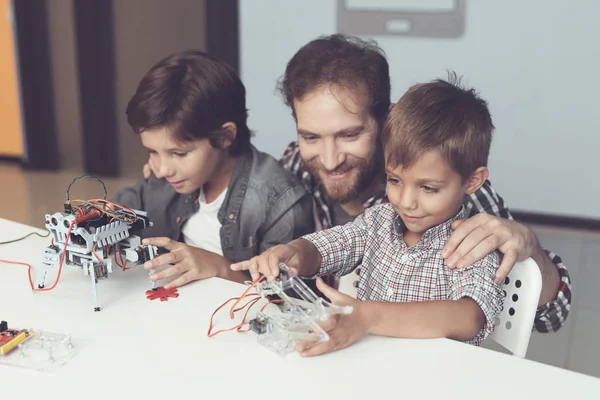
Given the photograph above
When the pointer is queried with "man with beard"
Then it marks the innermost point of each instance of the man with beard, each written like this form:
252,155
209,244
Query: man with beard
338,89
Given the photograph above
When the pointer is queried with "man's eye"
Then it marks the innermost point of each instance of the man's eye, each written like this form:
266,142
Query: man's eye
392,180
309,138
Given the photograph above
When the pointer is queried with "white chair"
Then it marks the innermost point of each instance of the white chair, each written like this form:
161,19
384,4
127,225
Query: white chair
523,287
348,284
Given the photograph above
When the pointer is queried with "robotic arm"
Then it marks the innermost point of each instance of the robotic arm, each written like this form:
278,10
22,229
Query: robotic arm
300,314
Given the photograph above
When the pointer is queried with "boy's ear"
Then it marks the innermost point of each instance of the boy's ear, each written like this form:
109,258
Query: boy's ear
476,180
227,134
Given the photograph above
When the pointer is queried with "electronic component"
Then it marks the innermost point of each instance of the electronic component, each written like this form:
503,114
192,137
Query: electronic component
11,338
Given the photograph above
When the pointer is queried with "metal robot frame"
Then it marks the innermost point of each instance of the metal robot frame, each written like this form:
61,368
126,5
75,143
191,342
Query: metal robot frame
95,240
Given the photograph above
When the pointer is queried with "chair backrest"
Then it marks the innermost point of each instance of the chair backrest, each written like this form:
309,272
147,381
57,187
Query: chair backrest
513,327
348,284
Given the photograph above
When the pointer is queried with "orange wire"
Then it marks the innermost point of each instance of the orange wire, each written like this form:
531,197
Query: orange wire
270,302
256,297
245,293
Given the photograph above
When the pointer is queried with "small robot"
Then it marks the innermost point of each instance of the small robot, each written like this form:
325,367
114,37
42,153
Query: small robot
301,313
95,235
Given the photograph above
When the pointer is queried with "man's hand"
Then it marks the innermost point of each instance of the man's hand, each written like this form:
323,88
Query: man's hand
190,263
482,234
343,330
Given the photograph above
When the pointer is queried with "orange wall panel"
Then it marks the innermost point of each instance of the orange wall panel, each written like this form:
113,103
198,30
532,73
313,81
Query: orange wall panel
11,139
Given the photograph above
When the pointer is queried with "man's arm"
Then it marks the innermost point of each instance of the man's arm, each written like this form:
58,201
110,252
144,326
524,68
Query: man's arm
490,227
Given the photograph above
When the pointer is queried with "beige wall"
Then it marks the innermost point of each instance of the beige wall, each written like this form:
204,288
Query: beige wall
147,31
144,32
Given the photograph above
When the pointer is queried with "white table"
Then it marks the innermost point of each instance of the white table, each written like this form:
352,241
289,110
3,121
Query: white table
150,349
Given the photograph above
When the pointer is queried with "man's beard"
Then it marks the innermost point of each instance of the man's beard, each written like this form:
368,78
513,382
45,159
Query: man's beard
346,191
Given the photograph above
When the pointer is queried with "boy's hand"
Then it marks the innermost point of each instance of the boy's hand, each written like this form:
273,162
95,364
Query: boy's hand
268,262
343,330
191,263
148,169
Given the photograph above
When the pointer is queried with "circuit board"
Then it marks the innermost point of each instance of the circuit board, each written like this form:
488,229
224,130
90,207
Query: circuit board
10,338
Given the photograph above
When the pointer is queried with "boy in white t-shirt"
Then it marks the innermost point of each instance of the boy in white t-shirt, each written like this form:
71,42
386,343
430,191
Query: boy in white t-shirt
214,198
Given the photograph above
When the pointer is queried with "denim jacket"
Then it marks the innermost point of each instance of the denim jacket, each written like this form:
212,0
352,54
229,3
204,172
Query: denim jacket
265,205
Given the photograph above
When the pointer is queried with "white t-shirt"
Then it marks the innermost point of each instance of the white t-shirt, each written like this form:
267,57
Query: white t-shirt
203,228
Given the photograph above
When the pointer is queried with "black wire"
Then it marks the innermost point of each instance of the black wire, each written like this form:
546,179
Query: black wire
25,237
86,176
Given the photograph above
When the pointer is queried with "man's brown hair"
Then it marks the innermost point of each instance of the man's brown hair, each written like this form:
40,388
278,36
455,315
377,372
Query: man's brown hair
439,115
341,61
193,94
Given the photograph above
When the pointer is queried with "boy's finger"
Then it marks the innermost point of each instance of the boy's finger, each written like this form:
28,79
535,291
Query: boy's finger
163,259
182,280
164,242
335,296
254,269
165,273
241,266
318,349
146,171
273,264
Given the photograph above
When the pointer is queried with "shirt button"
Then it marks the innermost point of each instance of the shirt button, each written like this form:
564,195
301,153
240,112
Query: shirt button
178,219
357,271
390,292
355,284
231,216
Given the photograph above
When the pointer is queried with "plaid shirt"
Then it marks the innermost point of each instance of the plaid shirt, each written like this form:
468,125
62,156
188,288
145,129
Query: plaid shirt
393,272
550,317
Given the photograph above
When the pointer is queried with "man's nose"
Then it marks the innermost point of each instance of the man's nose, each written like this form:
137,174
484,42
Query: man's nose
331,157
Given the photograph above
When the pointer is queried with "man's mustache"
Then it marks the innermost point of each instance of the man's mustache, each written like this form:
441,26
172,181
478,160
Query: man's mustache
340,169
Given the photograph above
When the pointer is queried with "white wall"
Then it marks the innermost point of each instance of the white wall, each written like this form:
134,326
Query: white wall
535,61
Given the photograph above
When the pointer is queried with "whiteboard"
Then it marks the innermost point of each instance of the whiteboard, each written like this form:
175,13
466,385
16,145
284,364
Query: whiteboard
537,63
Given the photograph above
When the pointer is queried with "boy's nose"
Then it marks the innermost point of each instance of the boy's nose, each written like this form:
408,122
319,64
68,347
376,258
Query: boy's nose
408,199
164,170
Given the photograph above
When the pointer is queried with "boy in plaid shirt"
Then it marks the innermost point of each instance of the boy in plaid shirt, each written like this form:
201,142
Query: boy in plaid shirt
436,142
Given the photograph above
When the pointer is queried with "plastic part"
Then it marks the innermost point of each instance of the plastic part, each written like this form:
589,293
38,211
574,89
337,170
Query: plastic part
161,293
44,351
300,314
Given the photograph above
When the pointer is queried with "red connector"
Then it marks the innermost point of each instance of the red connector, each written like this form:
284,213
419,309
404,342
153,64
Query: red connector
93,214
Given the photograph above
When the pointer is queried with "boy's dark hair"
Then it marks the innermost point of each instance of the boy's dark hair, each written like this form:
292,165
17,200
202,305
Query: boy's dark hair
343,61
439,115
193,94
